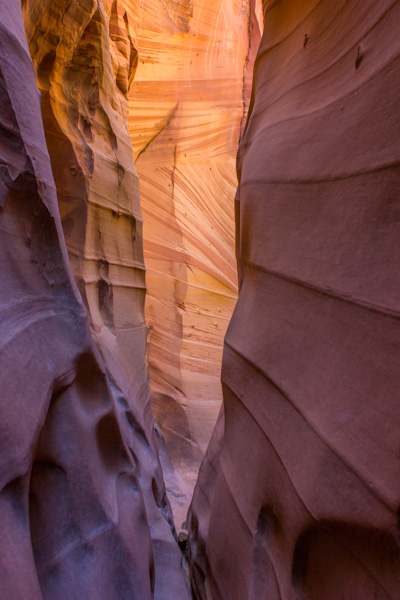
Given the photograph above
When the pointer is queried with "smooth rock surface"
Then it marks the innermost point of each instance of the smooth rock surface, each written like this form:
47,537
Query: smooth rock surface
298,496
186,106
83,510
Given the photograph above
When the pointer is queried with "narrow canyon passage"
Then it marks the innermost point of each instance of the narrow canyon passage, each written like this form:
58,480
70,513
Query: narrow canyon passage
120,226
186,105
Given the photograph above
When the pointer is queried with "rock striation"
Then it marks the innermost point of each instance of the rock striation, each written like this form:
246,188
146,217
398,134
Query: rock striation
299,494
83,509
186,106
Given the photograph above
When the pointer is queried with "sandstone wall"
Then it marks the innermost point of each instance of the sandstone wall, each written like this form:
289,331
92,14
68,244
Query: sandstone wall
298,497
186,106
81,483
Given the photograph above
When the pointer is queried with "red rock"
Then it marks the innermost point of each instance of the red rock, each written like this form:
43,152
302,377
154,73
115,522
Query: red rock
299,497
81,484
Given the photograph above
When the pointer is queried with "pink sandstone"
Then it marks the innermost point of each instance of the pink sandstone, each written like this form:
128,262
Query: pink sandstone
299,494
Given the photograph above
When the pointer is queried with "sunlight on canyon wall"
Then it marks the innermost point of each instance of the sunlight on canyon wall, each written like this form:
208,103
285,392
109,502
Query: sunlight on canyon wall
186,106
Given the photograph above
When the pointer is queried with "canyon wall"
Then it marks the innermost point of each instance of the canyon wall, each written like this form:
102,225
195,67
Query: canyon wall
186,106
299,493
83,508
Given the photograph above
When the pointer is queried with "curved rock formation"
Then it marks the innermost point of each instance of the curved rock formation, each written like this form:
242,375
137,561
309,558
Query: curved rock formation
81,483
186,105
300,496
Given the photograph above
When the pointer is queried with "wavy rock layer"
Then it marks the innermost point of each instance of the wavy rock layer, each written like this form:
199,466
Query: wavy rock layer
81,484
186,105
299,496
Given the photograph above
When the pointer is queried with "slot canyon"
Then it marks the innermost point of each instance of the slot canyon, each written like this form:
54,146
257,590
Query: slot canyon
199,309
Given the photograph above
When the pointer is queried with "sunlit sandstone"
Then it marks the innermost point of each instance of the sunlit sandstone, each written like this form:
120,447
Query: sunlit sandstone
186,104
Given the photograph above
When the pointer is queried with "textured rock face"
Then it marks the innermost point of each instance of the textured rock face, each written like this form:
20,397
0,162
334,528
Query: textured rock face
298,498
186,105
81,484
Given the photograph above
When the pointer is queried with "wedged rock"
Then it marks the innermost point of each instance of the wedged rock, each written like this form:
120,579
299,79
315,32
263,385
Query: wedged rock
81,484
304,497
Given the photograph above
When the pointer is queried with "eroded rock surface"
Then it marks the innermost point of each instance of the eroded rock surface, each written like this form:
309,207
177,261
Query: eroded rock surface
81,483
299,494
186,106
